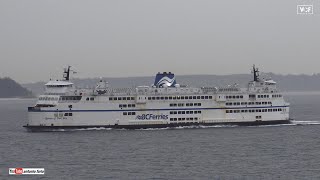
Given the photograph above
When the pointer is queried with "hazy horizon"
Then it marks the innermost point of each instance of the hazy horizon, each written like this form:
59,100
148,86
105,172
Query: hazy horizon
140,38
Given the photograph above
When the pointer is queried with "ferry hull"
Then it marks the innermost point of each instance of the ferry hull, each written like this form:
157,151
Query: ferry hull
33,128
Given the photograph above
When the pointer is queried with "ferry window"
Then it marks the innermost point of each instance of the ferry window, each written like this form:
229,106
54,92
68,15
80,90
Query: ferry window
120,105
183,119
162,98
170,97
252,96
129,105
234,103
125,113
191,112
124,105
110,98
132,98
179,112
238,103
233,97
166,98
171,112
180,104
199,104
133,105
195,118
195,112
231,111
241,97
191,118
279,109
227,111
194,97
190,97
149,98
129,113
187,112
153,98
174,112
182,97
191,104
237,97
210,97
178,97
157,98
174,97
183,112
199,112
202,97
66,114
198,97
70,114
188,119
187,104
91,99
186,97
115,98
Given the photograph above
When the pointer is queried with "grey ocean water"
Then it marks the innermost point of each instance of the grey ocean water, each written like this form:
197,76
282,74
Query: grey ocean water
264,152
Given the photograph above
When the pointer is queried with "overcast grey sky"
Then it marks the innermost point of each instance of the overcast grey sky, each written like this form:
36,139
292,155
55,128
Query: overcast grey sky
120,38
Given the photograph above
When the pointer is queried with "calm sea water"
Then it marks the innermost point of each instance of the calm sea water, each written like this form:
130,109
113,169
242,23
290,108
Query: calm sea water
264,152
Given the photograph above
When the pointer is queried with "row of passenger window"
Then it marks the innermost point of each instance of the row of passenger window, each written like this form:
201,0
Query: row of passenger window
48,98
193,104
70,98
263,96
235,97
90,99
184,119
276,95
129,113
67,114
121,98
185,112
126,105
182,104
176,104
254,110
178,97
247,103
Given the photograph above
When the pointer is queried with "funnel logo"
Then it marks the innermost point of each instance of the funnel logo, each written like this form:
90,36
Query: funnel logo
166,81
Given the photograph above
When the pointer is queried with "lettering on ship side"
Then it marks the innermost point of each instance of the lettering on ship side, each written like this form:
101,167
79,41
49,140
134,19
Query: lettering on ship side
151,117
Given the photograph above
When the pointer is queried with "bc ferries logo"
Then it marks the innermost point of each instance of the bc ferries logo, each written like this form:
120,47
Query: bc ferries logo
151,117
166,81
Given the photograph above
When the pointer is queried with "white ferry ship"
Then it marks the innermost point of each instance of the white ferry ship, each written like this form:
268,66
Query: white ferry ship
164,104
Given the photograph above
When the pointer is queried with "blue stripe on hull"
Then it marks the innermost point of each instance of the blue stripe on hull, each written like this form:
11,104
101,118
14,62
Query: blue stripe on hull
253,123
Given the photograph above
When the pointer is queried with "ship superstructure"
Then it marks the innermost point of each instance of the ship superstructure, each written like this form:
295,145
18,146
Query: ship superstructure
164,104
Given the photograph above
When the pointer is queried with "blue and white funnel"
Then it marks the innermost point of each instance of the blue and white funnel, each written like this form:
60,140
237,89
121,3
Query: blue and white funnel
165,80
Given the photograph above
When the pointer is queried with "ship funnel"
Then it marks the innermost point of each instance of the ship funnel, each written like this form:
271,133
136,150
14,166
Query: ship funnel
165,80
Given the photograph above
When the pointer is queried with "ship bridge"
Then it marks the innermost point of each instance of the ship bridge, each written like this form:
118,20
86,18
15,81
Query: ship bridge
58,87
